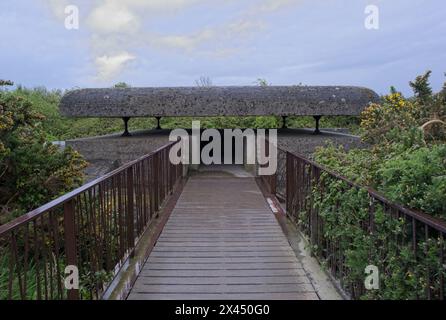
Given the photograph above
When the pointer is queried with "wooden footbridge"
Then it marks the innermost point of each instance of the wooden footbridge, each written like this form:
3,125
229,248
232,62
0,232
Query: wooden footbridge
222,241
212,235
156,230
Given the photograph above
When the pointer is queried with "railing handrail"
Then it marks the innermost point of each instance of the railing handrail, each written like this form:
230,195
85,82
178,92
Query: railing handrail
34,214
434,222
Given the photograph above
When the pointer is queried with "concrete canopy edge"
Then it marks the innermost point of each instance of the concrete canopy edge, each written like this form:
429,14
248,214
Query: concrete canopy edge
217,101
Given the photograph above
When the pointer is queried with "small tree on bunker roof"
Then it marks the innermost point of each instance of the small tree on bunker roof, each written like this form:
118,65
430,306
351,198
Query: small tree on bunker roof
262,82
6,83
122,85
204,82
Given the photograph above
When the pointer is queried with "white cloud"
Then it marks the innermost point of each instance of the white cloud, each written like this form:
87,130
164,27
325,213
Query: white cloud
218,34
110,66
185,42
113,17
117,26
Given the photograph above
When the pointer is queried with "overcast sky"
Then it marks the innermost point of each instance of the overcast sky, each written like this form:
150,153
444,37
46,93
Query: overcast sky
233,42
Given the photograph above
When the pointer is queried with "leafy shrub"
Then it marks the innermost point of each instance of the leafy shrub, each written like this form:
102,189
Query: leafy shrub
406,162
32,171
348,240
417,179
388,119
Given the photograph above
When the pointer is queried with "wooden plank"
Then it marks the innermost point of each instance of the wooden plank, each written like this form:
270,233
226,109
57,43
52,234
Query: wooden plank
222,238
222,242
234,296
217,214
221,254
229,224
228,242
223,245
220,228
223,266
221,273
222,259
293,279
217,234
247,248
222,288
266,235
223,231
224,219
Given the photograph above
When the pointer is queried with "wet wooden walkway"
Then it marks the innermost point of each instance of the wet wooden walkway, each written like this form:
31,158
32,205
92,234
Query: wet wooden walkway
222,241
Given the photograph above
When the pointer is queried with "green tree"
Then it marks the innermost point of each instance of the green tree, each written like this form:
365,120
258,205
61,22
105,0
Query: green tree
407,157
431,108
32,171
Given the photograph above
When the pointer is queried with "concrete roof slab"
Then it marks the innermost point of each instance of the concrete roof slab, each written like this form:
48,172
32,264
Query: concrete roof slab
217,101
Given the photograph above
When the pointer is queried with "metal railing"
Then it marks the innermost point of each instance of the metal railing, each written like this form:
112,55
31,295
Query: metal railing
94,228
306,185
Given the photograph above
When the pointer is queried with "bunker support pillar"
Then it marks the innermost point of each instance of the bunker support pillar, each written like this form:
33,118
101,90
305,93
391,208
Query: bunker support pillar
277,101
158,123
284,122
317,118
126,127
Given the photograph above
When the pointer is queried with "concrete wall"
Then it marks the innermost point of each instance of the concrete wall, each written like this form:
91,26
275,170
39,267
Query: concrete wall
304,142
107,153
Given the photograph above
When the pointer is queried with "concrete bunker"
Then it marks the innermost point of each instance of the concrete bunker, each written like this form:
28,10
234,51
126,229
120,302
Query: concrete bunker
106,152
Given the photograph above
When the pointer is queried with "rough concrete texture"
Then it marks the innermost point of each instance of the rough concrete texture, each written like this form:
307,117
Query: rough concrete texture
217,101
109,152
304,142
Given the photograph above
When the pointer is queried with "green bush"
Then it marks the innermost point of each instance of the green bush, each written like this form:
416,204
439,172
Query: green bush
406,162
417,179
345,215
32,171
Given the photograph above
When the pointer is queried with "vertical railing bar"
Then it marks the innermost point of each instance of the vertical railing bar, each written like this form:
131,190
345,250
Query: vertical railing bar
90,229
55,227
101,227
428,273
121,216
12,265
36,258
50,258
45,256
442,266
115,220
70,242
130,210
109,221
144,191
25,260
80,231
414,236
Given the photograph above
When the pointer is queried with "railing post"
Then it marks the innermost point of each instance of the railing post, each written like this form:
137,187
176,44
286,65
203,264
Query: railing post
156,183
314,181
130,211
288,184
70,242
274,184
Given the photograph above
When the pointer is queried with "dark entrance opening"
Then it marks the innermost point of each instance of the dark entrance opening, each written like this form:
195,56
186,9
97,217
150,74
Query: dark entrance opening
222,149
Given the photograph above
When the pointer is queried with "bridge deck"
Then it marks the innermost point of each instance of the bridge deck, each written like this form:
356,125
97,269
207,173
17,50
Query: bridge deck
222,241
